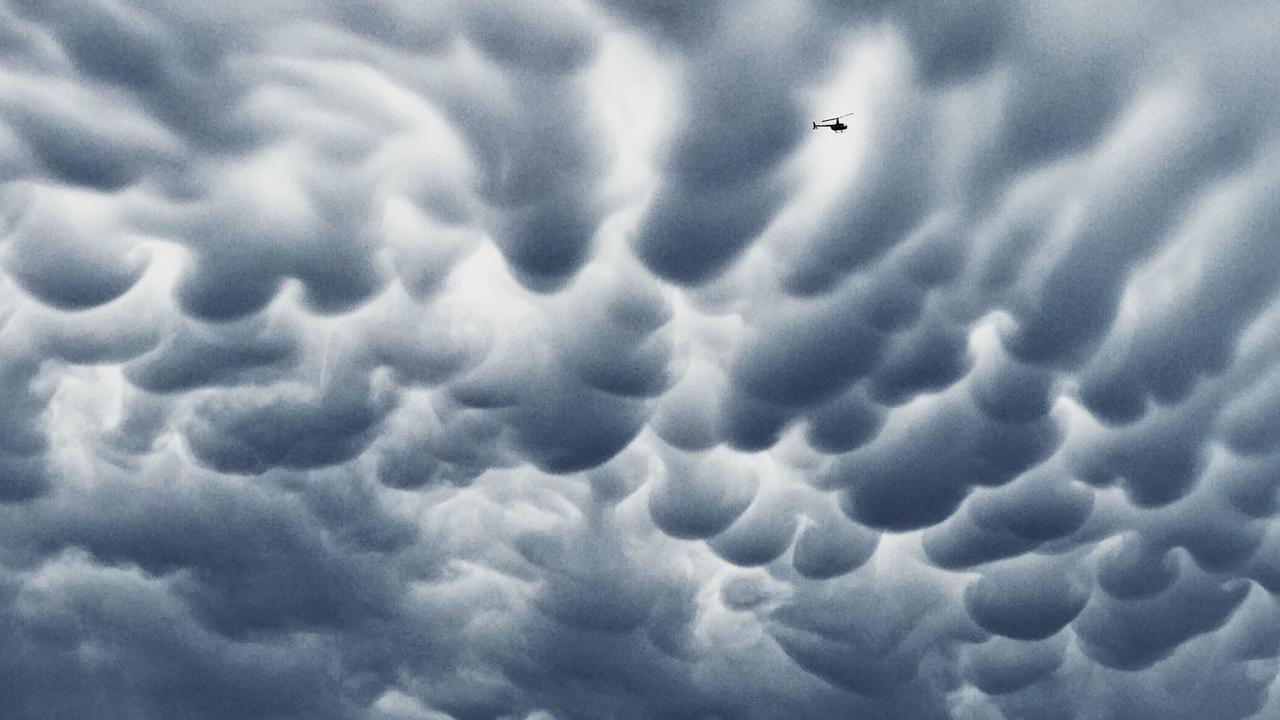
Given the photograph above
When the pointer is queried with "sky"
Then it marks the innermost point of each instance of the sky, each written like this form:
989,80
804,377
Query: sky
538,360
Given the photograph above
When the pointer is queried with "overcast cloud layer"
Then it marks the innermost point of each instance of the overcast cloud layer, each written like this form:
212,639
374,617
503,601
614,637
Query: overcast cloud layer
391,360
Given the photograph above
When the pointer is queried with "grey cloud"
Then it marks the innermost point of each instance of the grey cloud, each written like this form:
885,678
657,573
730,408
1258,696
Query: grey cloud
888,200
1042,504
935,255
721,189
175,587
1249,424
61,249
226,581
680,22
144,418
797,361
1134,634
196,355
1090,277
23,450
539,157
1011,391
245,249
828,545
87,142
717,229
961,541
744,592
1264,567
931,356
749,424
1229,287
1134,568
592,584
700,497
355,366
549,37
174,67
423,345
618,345
1029,598
917,473
437,441
842,632
617,479
562,425
1050,700
762,533
109,334
546,241
687,415
1157,461
844,423
1000,666
412,26
570,407
142,638
1245,483
953,43
1204,524
250,432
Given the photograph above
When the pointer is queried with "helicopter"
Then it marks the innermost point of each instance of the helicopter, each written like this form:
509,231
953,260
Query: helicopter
834,123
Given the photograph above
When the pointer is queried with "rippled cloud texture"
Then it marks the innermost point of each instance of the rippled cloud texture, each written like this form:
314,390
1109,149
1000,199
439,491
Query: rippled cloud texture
394,360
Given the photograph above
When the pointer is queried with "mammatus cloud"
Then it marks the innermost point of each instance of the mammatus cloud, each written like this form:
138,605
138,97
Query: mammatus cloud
401,361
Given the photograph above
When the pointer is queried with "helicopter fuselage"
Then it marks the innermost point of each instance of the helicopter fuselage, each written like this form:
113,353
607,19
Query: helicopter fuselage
835,127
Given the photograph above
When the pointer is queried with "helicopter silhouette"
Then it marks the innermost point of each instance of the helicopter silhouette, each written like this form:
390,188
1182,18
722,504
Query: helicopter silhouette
833,123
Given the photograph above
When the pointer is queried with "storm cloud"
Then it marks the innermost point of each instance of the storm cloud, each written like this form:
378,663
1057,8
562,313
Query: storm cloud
389,360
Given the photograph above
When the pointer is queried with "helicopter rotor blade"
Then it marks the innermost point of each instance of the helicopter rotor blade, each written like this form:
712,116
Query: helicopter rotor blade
836,118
